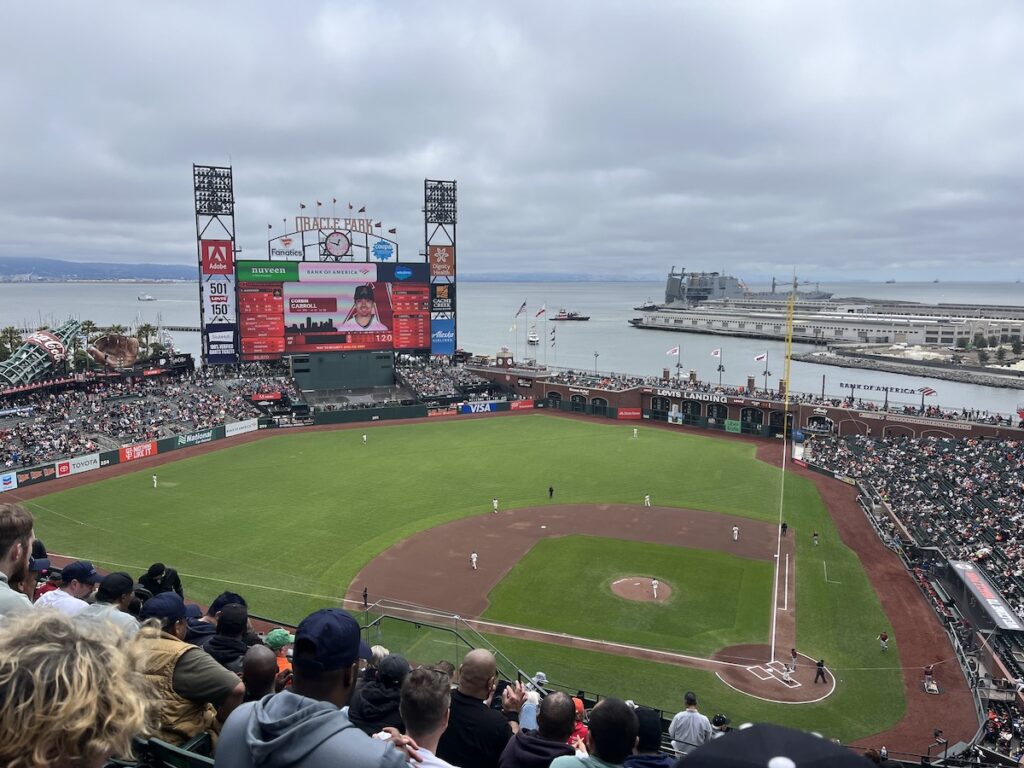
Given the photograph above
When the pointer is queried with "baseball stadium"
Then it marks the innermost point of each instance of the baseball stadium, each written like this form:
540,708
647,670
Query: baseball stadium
627,537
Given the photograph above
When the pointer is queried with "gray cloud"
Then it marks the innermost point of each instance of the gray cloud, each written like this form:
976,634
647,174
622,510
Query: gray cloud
848,139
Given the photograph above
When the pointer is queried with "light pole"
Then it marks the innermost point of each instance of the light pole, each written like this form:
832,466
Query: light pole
595,363
721,370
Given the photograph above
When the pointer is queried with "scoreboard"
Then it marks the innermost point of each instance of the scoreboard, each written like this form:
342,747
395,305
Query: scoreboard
296,307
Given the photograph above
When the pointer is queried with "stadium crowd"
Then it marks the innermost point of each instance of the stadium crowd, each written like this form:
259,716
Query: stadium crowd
965,497
433,378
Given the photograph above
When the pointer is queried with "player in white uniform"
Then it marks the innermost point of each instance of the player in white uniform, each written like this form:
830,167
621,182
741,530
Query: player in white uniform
636,433
735,533
154,481
472,560
494,504
654,587
647,500
364,438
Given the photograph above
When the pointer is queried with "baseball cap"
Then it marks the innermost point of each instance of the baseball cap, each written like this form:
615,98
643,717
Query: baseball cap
578,703
328,640
114,585
393,669
39,564
279,638
193,611
363,292
232,620
80,570
719,720
166,606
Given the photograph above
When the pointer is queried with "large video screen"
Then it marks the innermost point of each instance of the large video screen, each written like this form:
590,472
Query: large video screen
289,307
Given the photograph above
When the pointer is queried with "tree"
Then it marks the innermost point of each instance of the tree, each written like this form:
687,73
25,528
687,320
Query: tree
11,336
993,341
982,357
1000,353
980,340
89,329
117,328
1015,346
962,342
145,333
80,361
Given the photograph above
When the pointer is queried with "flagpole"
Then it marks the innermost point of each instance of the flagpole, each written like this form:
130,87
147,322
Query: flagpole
766,371
679,366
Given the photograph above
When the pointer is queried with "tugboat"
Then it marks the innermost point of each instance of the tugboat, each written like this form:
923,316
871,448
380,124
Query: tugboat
563,315
532,337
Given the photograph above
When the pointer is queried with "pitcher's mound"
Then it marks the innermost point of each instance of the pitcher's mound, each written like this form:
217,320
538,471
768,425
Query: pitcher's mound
639,588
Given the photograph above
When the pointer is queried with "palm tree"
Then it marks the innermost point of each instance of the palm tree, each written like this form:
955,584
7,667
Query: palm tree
144,333
89,328
11,337
116,328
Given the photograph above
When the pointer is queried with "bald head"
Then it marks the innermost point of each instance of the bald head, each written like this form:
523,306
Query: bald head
259,668
477,673
556,717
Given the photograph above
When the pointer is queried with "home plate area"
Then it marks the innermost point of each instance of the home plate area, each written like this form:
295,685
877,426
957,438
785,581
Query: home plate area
774,670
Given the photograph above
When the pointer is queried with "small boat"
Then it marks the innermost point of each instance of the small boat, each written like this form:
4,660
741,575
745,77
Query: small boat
563,315
890,282
145,297
532,337
647,306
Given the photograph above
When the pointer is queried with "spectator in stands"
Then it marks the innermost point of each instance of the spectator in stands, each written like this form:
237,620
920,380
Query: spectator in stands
52,582
304,725
159,579
555,721
78,581
477,734
377,654
259,672
449,669
16,536
375,705
116,592
425,703
528,714
69,697
579,730
193,689
612,738
279,641
200,630
689,728
648,752
227,645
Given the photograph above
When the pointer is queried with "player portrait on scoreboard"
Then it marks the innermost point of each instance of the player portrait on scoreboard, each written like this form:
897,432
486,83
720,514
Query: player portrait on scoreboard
363,315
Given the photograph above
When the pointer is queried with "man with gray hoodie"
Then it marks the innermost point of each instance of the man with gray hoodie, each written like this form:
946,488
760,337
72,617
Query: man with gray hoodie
304,725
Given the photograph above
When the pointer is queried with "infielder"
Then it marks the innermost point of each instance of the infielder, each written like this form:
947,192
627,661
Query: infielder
735,533
494,504
647,500
472,560
654,587
154,481
883,640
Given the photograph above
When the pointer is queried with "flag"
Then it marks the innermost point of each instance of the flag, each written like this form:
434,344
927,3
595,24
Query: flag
377,225
270,226
302,206
363,209
521,309
542,310
761,358
673,351
553,331
334,201
393,230
927,391
716,352
350,206
512,329
318,203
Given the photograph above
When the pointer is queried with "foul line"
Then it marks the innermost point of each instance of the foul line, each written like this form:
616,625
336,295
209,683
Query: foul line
778,701
830,581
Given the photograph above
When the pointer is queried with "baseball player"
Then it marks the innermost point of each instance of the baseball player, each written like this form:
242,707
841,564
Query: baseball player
785,527
814,538
364,438
636,433
654,587
883,640
647,499
494,504
735,533
472,560
154,481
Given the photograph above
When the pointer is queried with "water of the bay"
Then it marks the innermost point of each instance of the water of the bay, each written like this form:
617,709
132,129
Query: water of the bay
486,316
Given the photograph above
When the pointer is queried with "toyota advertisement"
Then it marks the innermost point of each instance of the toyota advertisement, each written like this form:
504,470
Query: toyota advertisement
301,307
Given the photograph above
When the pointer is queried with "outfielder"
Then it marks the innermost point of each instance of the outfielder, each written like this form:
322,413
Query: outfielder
494,504
154,481
647,500
735,533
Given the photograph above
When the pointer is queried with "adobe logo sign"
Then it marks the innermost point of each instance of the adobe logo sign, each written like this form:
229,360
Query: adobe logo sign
218,257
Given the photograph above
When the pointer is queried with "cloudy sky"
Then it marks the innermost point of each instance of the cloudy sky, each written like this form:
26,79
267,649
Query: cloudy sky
852,140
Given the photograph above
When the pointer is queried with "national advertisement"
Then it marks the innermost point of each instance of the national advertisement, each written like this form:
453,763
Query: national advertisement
137,451
521,405
442,336
8,481
241,427
78,464
196,438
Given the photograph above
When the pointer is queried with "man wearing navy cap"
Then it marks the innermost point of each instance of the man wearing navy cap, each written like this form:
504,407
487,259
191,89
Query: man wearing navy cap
78,581
194,691
304,724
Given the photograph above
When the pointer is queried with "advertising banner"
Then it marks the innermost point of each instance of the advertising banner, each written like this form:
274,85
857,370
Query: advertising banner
442,297
219,299
630,414
442,412
241,427
137,451
221,344
108,458
733,425
521,405
8,481
403,273
50,344
987,596
441,259
268,271
490,407
195,438
337,272
35,475
78,464
287,247
218,257
442,336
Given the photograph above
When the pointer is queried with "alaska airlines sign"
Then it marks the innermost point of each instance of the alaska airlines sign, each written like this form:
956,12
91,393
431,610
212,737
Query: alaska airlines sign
706,397
305,223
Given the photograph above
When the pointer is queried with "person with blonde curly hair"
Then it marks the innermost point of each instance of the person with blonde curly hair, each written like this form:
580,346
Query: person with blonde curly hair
69,695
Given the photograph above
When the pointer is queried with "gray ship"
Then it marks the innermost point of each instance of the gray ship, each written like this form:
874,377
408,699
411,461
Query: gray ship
685,290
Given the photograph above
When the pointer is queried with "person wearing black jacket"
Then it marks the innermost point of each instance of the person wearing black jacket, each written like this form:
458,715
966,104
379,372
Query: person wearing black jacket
375,704
159,579
536,749
227,646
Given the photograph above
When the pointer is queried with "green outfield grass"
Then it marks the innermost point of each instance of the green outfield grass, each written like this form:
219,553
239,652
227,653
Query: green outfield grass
717,599
289,520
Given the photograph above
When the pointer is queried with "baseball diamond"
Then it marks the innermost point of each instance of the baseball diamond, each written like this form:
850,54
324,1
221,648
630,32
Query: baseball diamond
298,521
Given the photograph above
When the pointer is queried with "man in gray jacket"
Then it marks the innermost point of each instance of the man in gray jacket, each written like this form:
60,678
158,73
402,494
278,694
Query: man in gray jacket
304,725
